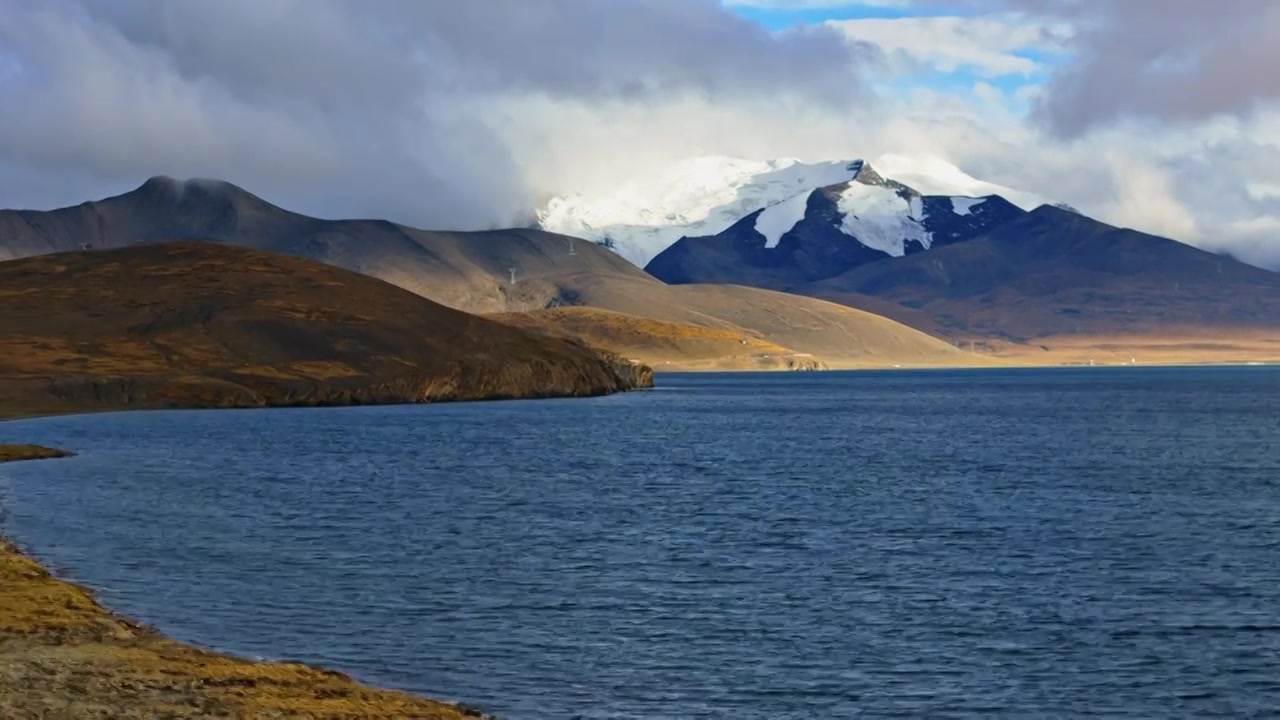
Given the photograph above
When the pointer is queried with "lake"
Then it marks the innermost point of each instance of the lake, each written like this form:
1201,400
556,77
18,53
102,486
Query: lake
1062,542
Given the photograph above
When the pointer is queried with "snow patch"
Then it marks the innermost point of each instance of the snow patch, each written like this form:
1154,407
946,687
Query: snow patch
777,220
881,219
916,205
965,205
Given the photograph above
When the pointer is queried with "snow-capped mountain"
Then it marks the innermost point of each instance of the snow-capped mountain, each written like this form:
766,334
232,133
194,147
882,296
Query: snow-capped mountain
832,229
709,195
700,196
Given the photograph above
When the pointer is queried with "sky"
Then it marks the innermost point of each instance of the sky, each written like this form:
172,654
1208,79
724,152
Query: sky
1162,115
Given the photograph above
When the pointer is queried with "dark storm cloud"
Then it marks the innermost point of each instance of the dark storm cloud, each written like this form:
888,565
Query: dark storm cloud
586,48
1169,59
355,107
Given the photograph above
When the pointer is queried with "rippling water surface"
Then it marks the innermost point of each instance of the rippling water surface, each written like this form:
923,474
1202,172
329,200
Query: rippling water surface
1089,542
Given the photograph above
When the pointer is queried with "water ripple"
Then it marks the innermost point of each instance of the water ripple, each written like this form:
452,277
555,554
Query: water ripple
1074,543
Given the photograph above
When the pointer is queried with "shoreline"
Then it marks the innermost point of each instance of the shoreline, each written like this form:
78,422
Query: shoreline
63,653
996,364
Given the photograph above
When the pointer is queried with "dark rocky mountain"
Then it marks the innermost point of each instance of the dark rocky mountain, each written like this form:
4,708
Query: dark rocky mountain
982,272
1054,277
841,227
474,272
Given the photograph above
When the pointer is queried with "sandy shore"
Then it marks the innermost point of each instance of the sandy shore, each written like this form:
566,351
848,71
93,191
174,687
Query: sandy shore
62,655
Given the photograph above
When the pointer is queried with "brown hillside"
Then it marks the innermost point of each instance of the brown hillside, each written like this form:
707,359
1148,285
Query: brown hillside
202,324
836,335
661,344
468,271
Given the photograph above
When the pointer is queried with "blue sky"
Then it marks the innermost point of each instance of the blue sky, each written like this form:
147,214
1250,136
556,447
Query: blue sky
960,79
779,19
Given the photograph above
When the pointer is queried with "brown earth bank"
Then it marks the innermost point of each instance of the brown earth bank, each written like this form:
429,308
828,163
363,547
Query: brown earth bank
10,453
62,655
198,325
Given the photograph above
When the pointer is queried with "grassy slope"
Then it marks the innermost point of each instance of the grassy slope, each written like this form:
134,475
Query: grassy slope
839,336
662,344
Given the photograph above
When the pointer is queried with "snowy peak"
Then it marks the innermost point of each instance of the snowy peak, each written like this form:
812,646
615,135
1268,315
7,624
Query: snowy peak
886,212
882,204
700,196
871,215
888,217
883,217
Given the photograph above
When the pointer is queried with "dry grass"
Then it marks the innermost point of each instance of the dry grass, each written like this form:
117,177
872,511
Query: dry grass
664,344
657,323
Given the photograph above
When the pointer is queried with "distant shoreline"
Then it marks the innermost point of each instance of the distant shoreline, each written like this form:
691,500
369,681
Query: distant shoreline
662,370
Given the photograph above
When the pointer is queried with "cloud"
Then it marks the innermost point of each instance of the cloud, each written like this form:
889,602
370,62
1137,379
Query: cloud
991,46
1170,60
817,4
339,107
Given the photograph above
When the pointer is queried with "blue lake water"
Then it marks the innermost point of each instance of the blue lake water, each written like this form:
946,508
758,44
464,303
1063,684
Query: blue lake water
1061,543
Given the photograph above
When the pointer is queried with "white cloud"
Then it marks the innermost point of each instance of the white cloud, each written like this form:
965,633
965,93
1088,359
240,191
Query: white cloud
1143,196
990,46
1263,190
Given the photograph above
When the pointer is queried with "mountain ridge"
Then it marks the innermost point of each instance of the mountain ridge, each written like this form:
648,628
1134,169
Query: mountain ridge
830,229
504,271
1055,277
704,196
